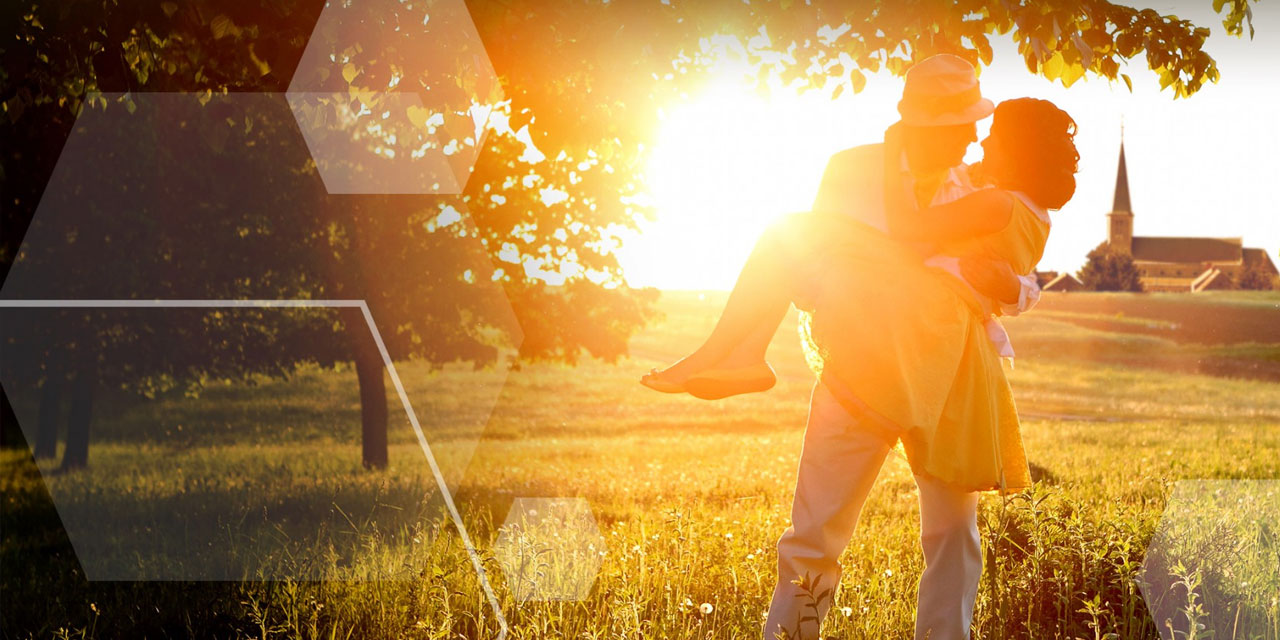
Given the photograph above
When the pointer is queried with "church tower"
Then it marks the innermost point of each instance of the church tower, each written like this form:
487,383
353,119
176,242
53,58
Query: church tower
1120,220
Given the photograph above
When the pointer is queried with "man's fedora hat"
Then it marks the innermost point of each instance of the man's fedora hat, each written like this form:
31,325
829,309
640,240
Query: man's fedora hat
942,90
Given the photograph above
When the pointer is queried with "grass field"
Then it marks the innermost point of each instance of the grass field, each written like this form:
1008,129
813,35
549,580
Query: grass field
260,488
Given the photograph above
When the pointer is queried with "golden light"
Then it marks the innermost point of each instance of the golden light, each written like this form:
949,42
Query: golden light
727,163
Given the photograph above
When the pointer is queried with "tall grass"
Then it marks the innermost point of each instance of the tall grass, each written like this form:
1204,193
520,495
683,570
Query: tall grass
689,498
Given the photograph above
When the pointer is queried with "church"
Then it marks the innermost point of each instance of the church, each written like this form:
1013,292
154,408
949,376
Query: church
1178,264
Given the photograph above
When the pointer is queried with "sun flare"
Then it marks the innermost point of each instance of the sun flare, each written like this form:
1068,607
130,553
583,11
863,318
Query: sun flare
727,163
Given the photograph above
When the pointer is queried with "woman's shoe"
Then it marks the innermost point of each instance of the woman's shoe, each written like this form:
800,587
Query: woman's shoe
715,384
654,381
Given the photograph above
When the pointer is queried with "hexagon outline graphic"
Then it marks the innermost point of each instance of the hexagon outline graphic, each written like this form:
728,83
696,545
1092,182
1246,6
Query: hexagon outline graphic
340,119
1213,543
550,549
386,358
33,279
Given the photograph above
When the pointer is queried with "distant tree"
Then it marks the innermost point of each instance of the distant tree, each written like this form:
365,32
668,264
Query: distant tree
1256,278
1107,270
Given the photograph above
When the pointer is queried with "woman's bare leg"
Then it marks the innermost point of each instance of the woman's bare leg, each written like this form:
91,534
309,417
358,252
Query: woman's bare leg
752,349
756,306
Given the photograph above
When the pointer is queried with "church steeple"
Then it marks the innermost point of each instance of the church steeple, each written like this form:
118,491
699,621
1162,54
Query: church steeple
1121,202
1120,220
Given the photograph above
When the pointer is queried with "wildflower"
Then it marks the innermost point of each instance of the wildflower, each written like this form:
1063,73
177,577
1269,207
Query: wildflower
706,608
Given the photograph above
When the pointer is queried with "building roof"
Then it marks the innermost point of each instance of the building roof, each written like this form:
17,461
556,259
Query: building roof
1259,258
1044,277
1157,249
1121,202
1064,282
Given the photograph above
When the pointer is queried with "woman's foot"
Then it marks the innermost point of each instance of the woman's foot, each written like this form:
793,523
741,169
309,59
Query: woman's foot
714,384
661,381
672,378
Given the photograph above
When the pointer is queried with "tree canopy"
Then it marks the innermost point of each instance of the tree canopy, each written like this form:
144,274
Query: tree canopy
586,77
1110,270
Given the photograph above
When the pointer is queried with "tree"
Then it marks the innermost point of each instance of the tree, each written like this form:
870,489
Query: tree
583,83
10,434
196,216
1254,277
1108,270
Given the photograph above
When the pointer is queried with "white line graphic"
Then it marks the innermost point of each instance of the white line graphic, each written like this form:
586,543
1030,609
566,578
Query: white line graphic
386,359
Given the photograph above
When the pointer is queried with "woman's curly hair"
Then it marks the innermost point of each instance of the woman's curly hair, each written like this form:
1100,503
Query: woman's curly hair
1038,156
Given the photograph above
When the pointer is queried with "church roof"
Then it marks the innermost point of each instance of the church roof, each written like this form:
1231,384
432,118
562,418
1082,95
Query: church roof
1156,249
1121,202
1260,259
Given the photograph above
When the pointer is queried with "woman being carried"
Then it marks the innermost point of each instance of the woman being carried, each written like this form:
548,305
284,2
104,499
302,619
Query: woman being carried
904,341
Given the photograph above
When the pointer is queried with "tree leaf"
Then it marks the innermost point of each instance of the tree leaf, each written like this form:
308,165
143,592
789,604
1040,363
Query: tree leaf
263,67
1071,73
1054,67
222,26
417,116
985,54
1086,51
859,81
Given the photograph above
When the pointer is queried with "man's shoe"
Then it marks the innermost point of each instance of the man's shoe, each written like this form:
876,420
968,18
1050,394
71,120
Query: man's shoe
715,384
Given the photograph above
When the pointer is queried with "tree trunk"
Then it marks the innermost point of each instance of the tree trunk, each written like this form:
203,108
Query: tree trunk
373,412
49,416
373,390
79,416
10,433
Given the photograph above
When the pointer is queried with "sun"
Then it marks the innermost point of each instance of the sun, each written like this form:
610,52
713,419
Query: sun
728,162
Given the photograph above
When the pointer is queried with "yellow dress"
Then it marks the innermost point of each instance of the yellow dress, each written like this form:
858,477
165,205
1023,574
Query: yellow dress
905,346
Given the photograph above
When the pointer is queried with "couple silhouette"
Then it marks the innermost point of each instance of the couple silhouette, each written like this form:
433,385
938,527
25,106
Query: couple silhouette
902,267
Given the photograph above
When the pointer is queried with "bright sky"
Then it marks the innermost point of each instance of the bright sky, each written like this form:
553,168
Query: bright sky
728,162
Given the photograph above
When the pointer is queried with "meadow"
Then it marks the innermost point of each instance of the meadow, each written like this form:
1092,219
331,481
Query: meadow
244,513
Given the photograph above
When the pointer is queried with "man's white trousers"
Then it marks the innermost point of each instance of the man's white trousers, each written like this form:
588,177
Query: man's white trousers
838,465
